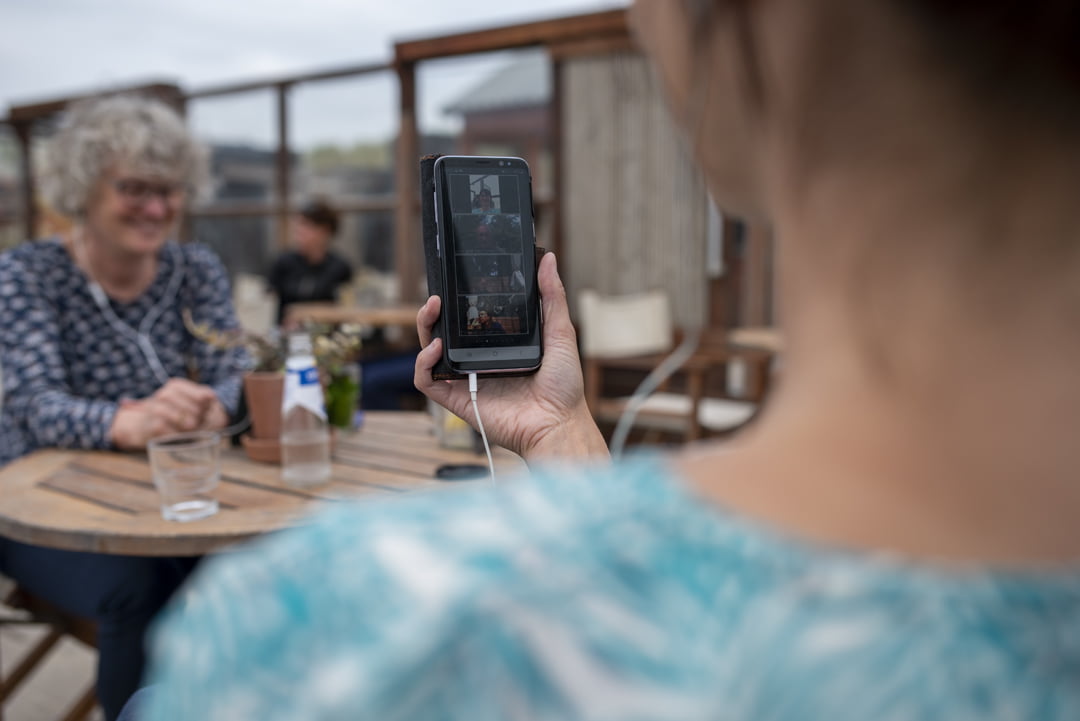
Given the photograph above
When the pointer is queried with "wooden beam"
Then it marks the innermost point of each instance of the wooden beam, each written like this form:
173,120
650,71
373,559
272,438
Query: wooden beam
406,235
555,217
542,32
252,85
227,209
38,111
604,45
281,175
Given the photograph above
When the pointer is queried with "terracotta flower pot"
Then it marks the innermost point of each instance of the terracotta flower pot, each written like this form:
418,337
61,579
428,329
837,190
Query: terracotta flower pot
263,391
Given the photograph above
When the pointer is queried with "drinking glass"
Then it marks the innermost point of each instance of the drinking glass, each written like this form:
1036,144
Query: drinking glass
186,469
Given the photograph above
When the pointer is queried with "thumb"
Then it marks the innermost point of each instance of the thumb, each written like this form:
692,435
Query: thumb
553,296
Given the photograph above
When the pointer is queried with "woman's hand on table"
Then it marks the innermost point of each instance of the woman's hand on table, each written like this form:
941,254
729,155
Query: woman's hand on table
179,405
540,415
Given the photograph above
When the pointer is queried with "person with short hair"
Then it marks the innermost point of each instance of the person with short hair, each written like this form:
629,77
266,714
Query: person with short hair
484,323
484,203
96,353
311,271
893,537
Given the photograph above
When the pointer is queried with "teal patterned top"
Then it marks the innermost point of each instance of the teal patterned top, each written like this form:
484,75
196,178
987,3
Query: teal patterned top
609,594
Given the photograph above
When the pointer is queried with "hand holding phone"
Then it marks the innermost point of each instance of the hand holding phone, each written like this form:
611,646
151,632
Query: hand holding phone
539,415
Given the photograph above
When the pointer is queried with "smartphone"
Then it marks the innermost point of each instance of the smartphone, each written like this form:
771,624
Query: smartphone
486,245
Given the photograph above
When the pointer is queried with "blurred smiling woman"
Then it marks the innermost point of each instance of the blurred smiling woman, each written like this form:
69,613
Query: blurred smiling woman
95,352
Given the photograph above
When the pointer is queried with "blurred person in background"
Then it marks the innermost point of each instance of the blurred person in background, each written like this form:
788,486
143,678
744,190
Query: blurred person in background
96,354
311,271
894,537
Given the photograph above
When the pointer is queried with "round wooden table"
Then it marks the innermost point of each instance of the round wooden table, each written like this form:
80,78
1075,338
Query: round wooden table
106,502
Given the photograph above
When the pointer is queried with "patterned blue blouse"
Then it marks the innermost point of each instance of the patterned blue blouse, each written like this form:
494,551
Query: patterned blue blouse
66,363
605,594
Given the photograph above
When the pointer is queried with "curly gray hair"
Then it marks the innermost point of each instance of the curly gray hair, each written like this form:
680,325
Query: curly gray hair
144,135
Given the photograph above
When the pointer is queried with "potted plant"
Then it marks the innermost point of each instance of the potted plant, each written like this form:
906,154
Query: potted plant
336,350
263,383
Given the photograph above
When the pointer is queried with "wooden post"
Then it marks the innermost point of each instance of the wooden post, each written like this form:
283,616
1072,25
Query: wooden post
26,170
555,122
282,179
406,236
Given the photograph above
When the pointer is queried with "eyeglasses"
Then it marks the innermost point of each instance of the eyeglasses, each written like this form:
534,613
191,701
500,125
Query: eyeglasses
137,191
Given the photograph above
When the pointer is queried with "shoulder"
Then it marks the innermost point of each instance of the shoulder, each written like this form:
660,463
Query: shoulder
436,549
35,261
200,256
339,261
661,605
288,260
34,253
849,640
396,586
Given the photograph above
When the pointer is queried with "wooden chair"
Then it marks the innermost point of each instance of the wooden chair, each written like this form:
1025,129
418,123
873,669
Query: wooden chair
635,333
22,608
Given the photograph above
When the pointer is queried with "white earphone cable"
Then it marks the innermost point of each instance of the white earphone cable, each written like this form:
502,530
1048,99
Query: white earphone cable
141,336
480,426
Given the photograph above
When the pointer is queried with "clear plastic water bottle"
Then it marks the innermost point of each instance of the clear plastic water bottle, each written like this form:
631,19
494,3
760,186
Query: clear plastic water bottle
305,435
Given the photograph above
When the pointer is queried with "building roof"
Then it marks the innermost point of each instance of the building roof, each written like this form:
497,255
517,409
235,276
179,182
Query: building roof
525,81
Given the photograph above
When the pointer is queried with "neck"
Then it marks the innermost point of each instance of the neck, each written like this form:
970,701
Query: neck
929,398
122,276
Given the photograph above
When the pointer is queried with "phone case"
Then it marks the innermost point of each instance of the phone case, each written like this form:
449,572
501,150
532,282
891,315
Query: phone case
442,371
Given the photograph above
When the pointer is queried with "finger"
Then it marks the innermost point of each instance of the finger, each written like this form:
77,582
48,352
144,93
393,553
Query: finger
173,391
426,359
425,319
207,398
215,417
152,425
177,406
190,391
439,391
557,322
193,398
159,426
174,415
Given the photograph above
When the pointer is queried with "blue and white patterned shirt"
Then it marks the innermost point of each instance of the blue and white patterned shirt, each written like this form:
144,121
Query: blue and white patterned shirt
603,594
66,366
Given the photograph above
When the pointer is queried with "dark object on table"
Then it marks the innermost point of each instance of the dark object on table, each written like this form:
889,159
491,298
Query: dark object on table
460,471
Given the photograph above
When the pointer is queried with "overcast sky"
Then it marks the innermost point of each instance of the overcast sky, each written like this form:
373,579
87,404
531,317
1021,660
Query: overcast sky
52,48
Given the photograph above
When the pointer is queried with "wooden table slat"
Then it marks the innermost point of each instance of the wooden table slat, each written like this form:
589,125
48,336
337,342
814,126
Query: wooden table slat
104,491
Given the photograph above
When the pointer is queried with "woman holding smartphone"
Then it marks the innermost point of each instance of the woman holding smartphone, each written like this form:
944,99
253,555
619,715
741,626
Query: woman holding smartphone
895,537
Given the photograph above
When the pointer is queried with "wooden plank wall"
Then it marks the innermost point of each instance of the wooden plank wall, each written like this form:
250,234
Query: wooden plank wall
635,208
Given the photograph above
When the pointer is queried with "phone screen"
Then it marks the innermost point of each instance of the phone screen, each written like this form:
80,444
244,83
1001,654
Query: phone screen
484,210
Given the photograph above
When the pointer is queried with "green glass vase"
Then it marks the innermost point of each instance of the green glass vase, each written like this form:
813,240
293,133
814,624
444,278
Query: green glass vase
342,398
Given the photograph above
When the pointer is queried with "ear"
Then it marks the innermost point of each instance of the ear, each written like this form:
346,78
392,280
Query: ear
749,51
663,29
